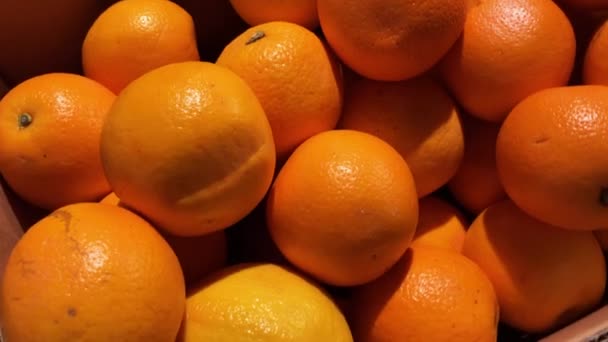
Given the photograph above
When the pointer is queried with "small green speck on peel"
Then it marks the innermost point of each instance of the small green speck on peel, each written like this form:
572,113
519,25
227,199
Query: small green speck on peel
25,119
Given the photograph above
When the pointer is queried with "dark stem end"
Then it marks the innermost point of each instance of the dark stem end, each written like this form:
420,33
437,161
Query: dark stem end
25,119
255,37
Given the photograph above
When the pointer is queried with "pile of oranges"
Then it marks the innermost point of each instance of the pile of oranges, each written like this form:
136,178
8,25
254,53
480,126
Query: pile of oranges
312,170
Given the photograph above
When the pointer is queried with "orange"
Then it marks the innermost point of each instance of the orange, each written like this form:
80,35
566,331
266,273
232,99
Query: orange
49,40
602,238
197,255
261,302
476,184
301,12
92,272
133,37
418,118
508,50
550,156
295,77
440,224
431,294
544,276
391,40
343,208
50,127
595,65
205,142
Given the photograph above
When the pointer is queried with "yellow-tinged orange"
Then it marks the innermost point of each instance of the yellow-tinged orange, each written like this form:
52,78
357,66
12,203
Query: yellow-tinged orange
205,142
550,156
343,208
294,75
256,12
417,117
507,51
92,272
440,224
50,129
133,37
544,276
261,302
391,40
431,294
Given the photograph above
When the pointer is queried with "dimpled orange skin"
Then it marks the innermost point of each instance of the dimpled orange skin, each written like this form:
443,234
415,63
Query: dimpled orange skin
133,37
294,75
256,12
204,140
431,294
508,50
54,161
418,118
92,272
550,156
343,208
476,184
391,40
595,65
544,276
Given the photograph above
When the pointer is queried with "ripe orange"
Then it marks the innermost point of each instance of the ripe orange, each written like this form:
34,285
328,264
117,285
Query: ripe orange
532,264
476,184
261,302
295,77
418,118
391,40
343,208
50,127
49,40
133,37
550,156
92,272
204,139
197,255
440,224
301,12
595,65
431,294
508,50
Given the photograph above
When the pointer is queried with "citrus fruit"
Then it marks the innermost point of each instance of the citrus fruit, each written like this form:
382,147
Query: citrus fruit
440,224
550,156
532,264
508,50
391,40
418,118
476,184
92,272
50,128
431,294
49,40
197,255
261,302
343,208
295,77
133,37
204,139
595,65
301,12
